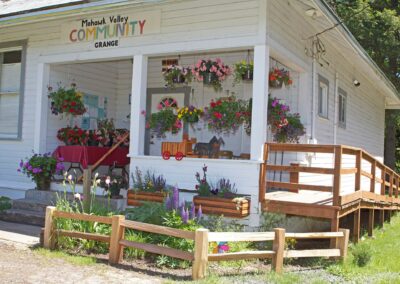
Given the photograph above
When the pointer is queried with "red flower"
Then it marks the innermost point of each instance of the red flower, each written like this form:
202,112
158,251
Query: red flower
219,102
71,110
272,77
213,104
238,115
73,103
218,115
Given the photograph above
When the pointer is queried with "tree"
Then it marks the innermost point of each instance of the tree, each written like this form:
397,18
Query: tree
376,25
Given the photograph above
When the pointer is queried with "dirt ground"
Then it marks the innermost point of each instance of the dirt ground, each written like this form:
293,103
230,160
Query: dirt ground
20,264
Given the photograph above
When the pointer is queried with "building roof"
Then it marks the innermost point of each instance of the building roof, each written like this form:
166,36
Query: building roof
14,7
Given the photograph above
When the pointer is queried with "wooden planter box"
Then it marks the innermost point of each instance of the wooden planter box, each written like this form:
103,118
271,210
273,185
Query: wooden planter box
135,198
238,207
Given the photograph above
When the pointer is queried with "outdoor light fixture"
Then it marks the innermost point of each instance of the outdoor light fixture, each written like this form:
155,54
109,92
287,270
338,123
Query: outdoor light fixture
356,83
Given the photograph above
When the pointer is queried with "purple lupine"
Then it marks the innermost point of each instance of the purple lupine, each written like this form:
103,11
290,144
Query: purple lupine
186,216
175,198
199,213
183,213
192,211
168,203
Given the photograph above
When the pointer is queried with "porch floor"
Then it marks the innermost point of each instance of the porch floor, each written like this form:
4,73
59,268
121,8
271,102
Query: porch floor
303,196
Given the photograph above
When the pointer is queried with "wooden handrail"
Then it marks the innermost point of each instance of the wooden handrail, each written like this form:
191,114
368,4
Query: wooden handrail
389,180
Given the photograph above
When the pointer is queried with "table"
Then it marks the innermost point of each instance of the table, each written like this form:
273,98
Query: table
89,155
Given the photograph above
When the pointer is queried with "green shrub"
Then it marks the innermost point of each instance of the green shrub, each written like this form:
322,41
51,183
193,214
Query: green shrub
5,203
362,255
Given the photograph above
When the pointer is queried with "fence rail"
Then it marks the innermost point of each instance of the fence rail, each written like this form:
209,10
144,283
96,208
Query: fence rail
202,238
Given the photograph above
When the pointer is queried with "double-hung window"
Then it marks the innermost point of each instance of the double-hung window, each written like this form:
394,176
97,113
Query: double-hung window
342,108
11,81
323,97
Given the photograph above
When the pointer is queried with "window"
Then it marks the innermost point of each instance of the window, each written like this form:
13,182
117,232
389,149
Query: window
323,97
10,91
342,108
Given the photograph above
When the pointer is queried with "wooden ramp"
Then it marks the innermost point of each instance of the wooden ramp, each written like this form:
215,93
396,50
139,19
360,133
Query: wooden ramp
345,181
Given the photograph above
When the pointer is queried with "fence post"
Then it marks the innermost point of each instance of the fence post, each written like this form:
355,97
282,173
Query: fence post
200,263
343,243
87,182
278,247
117,233
337,175
49,236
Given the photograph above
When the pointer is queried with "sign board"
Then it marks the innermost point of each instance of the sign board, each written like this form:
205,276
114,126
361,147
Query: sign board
105,31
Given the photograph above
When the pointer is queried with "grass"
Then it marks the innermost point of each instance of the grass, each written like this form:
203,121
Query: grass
73,259
5,203
385,259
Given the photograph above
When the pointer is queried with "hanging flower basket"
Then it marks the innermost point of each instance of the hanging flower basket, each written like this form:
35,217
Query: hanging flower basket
66,101
278,77
175,74
226,115
165,120
211,72
190,114
243,71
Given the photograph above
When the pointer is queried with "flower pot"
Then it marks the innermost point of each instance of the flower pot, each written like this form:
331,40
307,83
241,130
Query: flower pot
275,84
179,79
43,184
209,78
238,207
248,76
136,198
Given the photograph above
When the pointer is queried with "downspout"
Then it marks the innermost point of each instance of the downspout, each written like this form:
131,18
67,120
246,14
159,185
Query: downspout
335,102
313,140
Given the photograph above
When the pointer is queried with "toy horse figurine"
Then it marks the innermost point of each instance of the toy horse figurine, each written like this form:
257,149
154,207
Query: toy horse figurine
210,149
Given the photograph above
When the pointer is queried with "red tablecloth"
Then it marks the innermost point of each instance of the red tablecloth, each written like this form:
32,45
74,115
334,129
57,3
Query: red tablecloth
89,155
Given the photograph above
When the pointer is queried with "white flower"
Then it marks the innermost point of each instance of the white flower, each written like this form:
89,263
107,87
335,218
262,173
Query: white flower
70,177
98,181
108,180
77,196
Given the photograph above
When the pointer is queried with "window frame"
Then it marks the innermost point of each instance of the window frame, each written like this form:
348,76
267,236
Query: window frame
343,94
325,82
11,46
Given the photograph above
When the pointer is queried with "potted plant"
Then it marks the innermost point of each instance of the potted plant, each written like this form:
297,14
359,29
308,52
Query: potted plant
113,184
226,115
93,137
165,120
73,136
119,133
147,188
285,127
68,101
211,72
221,199
41,168
278,77
176,74
190,114
106,131
243,71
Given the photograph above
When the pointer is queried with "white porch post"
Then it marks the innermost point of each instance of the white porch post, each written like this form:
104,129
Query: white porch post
40,131
260,102
138,103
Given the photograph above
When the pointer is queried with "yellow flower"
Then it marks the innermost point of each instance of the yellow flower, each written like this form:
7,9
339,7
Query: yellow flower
179,116
190,113
78,94
186,108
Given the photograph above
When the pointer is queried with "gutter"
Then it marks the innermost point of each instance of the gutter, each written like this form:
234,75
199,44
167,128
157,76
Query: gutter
68,11
329,12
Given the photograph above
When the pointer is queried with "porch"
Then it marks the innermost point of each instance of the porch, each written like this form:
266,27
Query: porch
329,182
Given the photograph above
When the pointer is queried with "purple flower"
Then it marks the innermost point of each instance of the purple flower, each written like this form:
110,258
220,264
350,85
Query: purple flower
30,168
199,213
205,168
21,164
168,203
35,170
18,170
59,167
183,214
192,211
61,159
175,198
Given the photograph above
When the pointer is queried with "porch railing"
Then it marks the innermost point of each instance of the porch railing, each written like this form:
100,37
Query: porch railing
375,171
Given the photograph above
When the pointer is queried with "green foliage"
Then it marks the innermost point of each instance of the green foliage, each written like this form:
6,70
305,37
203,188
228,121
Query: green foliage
5,203
361,255
269,221
76,206
241,69
220,224
149,182
163,121
376,25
